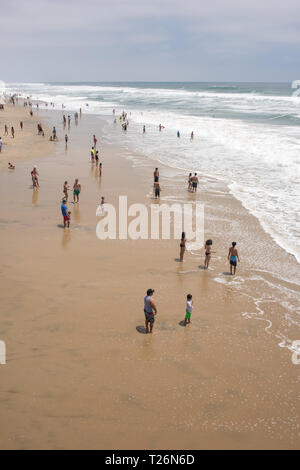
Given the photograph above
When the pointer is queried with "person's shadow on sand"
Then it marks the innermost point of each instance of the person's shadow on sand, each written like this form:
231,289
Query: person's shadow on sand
141,329
181,323
202,267
177,260
226,273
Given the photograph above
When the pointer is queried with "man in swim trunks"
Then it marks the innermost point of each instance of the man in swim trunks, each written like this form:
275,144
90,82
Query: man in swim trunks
150,310
156,175
233,257
195,182
76,190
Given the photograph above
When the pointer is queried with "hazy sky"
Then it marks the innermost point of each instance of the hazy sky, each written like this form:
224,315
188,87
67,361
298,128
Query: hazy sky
123,40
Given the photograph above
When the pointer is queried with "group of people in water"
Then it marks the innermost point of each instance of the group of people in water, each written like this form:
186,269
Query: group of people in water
233,255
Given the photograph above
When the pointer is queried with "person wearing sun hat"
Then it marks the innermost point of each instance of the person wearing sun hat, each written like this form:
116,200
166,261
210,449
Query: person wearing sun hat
150,310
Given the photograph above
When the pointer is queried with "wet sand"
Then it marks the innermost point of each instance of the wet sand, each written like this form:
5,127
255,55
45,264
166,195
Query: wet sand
27,143
82,373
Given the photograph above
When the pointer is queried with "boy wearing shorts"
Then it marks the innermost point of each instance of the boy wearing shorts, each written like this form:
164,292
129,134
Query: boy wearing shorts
189,309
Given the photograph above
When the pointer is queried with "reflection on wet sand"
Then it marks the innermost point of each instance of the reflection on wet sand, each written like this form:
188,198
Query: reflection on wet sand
75,214
66,238
35,197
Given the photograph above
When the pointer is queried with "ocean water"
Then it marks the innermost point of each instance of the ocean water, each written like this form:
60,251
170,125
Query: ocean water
246,134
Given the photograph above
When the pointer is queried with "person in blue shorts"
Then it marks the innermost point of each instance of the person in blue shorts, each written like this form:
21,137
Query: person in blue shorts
233,257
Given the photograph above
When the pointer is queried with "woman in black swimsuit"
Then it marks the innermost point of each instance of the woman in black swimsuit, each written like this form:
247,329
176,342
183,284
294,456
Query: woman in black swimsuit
208,252
182,246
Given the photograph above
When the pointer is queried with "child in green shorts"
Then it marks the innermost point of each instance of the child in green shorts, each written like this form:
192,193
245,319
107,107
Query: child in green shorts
189,308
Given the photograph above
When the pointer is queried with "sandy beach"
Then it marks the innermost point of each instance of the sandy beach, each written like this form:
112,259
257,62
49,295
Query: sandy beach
81,372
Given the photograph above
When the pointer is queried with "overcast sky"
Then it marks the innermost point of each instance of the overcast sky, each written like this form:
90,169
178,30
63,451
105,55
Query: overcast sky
159,40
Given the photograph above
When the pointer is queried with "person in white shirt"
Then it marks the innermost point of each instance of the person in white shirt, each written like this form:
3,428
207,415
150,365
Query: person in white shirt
189,309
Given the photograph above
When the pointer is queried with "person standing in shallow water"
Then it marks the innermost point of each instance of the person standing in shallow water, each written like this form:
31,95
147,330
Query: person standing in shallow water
65,213
150,310
233,257
182,246
76,190
208,252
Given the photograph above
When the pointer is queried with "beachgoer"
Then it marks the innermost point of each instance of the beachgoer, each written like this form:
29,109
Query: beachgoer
156,175
76,190
182,246
195,182
144,129
66,139
100,209
97,157
34,176
233,257
156,189
188,309
1,143
5,130
21,125
65,213
100,169
95,141
178,134
190,184
66,188
54,133
150,310
208,252
92,153
192,135
13,132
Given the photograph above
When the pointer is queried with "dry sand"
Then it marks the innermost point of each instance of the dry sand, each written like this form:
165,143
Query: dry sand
80,371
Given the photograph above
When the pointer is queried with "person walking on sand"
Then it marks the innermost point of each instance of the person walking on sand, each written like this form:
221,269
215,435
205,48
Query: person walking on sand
233,257
95,141
182,246
13,132
66,140
76,190
65,213
208,252
21,125
54,133
0,144
150,310
156,175
188,309
100,169
178,134
5,130
192,135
